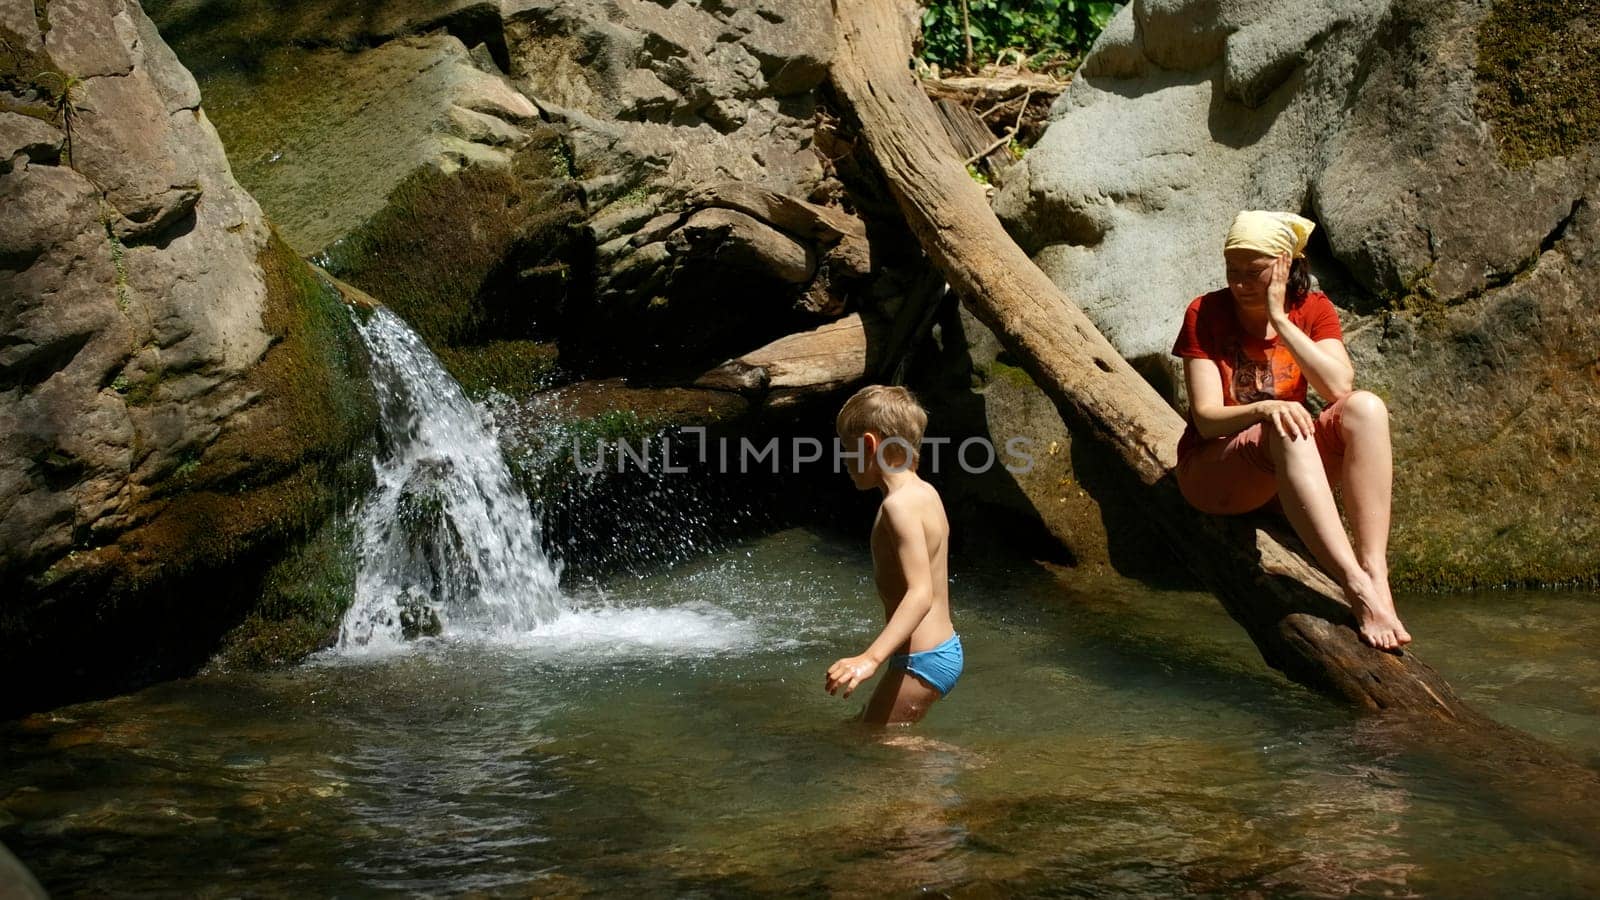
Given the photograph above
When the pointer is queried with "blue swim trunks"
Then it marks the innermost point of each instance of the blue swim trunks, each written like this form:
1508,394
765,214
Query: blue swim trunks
939,667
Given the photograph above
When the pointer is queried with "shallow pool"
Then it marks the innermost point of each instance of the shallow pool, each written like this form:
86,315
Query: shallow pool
670,735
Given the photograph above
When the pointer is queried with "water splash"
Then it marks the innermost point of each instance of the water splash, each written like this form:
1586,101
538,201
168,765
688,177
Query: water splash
449,544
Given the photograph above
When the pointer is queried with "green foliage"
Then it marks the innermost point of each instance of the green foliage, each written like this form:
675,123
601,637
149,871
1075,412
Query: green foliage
119,265
562,163
1042,29
64,102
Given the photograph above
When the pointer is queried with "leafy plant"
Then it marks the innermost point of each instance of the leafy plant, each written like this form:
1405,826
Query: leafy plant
64,102
1040,29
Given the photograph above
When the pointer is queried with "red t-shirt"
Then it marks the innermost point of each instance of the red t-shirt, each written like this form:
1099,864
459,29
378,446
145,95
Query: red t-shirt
1252,368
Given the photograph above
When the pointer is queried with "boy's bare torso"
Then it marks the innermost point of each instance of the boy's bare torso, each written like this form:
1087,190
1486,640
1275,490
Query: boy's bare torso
919,498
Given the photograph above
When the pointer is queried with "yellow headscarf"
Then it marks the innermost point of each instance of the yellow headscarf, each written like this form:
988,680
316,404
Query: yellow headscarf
1272,233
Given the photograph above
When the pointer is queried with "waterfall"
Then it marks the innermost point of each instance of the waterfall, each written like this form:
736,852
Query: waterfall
448,543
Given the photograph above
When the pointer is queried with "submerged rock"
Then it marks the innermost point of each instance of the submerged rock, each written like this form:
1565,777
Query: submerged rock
1460,260
180,390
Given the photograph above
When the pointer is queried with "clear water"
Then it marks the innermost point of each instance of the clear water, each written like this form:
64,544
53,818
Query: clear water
670,736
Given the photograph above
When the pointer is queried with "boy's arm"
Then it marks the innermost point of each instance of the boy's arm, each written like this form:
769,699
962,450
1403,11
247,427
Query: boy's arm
911,555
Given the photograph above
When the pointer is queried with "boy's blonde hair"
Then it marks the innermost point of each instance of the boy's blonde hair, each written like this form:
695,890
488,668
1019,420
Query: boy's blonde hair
888,412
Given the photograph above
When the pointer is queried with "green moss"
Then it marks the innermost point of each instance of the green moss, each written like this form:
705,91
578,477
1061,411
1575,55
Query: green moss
1420,297
1014,374
141,392
1497,463
303,599
470,257
600,415
26,75
277,472
119,265
1512,555
1537,67
317,369
984,374
516,368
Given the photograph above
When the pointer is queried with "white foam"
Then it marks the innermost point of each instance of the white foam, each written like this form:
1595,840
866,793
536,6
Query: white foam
608,632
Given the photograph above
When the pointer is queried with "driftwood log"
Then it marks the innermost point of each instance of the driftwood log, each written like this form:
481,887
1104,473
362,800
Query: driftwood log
801,366
1294,613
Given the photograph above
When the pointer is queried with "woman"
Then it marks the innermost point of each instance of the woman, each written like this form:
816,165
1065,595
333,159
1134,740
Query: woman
1248,352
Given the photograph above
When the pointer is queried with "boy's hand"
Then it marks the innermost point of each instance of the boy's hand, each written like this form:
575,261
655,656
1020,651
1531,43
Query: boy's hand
848,673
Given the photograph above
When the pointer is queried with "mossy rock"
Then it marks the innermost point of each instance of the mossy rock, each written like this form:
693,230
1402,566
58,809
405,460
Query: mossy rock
606,520
279,469
212,35
316,378
545,433
997,369
303,599
30,81
1538,64
232,541
515,368
474,262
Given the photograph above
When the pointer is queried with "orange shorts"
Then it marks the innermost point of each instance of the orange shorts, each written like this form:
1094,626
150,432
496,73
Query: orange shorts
1234,474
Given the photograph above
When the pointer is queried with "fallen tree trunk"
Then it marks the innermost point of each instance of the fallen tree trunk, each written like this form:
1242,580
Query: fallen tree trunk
1294,613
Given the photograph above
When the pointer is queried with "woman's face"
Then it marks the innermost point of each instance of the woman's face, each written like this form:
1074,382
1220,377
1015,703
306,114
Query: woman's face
1249,275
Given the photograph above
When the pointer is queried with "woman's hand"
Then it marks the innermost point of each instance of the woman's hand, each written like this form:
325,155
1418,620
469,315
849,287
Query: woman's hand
849,673
1277,290
1290,418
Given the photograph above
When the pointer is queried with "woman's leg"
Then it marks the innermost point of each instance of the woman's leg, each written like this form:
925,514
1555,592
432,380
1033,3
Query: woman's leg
1228,476
1307,500
1368,477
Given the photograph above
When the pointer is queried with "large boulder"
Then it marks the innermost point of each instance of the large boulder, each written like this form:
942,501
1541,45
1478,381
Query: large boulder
1456,232
323,137
658,100
178,391
683,93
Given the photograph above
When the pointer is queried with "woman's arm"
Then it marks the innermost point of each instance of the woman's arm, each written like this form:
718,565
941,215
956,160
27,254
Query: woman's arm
1213,419
1325,362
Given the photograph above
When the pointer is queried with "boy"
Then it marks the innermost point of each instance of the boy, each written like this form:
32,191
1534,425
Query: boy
909,561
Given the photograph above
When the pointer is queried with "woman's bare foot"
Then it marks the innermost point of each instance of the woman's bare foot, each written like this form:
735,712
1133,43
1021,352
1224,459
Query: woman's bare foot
1378,624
